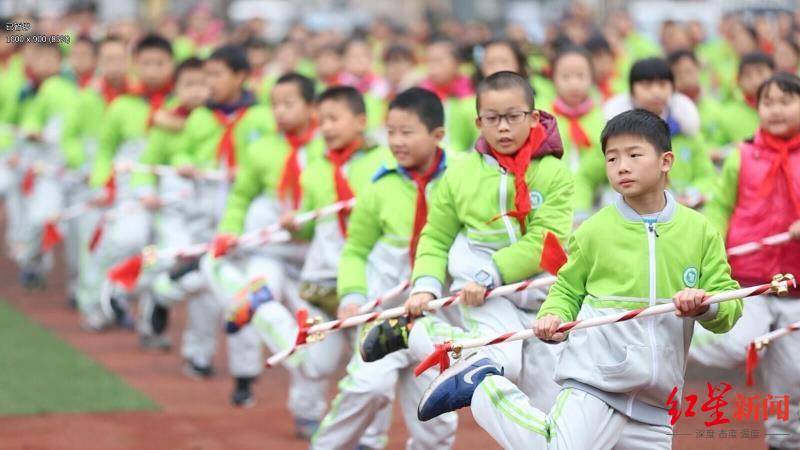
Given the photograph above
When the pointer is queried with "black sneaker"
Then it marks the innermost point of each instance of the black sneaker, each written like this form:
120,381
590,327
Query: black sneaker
122,317
385,337
31,279
183,267
242,393
159,318
198,372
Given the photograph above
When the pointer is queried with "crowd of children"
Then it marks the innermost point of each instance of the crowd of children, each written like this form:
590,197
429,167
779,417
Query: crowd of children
461,153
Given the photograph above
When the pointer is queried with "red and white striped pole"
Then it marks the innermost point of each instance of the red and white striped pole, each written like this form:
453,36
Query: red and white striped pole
779,285
391,294
750,247
761,343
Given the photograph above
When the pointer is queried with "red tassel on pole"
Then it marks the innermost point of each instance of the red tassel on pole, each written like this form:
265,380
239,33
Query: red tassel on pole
111,189
51,236
28,180
751,362
439,356
97,234
126,273
553,255
302,326
222,244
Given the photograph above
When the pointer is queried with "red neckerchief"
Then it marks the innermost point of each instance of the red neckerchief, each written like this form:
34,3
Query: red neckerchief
84,80
332,80
604,86
782,148
518,164
751,101
226,148
289,183
33,80
574,114
181,111
155,97
338,159
109,92
693,94
364,84
421,210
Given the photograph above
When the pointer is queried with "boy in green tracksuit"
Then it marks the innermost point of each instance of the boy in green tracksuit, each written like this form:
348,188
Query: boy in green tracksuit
617,380
739,118
488,218
382,237
123,137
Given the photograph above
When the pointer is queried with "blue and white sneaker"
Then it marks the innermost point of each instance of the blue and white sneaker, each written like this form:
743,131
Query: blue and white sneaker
454,387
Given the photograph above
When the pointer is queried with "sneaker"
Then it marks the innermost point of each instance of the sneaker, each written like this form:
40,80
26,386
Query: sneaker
197,372
385,337
454,387
242,393
183,267
159,319
249,300
155,342
305,428
31,279
121,315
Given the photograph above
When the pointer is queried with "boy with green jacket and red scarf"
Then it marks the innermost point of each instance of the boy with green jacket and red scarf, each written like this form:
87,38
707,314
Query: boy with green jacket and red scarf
616,380
488,218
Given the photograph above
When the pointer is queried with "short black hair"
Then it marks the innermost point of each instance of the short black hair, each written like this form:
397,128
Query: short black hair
422,103
347,94
641,123
84,39
597,43
674,57
786,82
255,43
155,42
304,84
398,51
519,56
505,80
650,69
192,63
756,59
232,56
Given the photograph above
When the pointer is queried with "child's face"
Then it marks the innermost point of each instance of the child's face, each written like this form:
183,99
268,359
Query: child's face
503,136
338,124
191,88
257,57
112,61
634,167
289,108
358,59
603,64
47,62
573,78
441,65
652,95
328,63
687,75
785,57
752,76
82,58
497,58
779,112
411,142
287,57
225,84
154,67
397,69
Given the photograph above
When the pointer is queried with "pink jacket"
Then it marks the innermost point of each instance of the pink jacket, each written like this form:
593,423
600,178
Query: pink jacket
757,215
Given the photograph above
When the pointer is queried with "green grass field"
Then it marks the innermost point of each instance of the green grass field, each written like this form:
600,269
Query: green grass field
40,373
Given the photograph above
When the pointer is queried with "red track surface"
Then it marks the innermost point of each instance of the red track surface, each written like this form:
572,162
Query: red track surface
195,414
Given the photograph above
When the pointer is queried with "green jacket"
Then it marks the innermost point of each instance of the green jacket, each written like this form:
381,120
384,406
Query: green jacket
737,122
51,103
720,205
82,126
459,124
319,190
618,262
12,80
261,175
593,123
164,147
204,133
473,191
379,234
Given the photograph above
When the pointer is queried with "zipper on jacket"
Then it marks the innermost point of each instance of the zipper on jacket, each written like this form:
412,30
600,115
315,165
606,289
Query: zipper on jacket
651,321
512,236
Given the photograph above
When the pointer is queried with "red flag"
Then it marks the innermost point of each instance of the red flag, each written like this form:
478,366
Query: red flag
751,362
28,180
50,236
97,234
127,272
553,255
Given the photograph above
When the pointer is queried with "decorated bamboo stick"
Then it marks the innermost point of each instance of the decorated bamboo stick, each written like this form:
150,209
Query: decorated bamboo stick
761,343
750,247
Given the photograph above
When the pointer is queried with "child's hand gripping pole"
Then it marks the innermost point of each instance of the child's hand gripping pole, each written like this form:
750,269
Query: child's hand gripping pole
750,247
127,272
762,342
779,285
552,258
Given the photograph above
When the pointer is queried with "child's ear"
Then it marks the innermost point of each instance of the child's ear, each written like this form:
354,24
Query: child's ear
438,133
535,116
361,120
240,77
667,159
